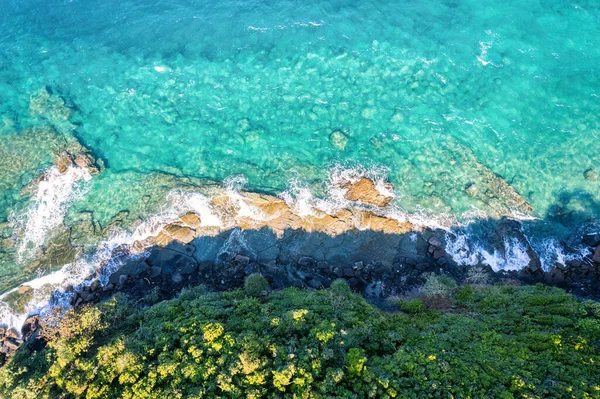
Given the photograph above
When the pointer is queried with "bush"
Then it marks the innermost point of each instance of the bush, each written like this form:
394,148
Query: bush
256,285
438,285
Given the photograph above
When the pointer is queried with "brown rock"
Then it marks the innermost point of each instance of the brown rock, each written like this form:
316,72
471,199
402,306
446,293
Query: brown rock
368,220
86,161
364,190
12,333
191,220
438,253
63,162
173,232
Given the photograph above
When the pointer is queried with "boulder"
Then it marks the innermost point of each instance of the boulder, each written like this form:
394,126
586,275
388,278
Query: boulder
364,190
592,239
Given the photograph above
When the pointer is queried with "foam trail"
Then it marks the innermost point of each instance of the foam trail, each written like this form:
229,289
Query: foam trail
55,193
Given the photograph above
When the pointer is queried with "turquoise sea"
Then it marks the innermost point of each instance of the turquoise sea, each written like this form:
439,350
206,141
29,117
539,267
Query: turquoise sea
440,97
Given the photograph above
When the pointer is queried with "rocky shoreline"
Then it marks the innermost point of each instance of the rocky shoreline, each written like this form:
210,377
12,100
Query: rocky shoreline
378,256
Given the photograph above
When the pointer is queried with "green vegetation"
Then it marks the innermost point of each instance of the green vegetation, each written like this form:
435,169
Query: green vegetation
500,341
256,285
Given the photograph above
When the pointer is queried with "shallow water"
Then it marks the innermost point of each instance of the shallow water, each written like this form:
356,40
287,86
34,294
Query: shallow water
436,96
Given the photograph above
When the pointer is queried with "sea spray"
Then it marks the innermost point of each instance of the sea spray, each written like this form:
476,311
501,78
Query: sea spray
55,193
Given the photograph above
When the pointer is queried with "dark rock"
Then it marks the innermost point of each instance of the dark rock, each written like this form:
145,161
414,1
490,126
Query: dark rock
592,240
353,282
434,241
338,272
241,260
252,268
188,269
122,279
323,265
95,285
438,253
155,271
141,268
314,283
374,289
348,272
74,299
306,261
177,278
358,265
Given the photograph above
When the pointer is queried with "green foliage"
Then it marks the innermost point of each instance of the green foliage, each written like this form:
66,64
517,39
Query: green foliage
412,306
256,285
504,342
438,285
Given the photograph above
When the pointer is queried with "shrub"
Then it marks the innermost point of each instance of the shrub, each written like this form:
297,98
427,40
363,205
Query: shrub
438,285
256,285
412,306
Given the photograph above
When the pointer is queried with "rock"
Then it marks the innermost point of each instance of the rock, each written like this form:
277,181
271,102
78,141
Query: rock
434,241
191,220
189,268
364,190
438,253
323,265
338,139
173,232
306,261
251,269
596,256
241,260
314,283
12,333
9,346
472,190
122,279
86,161
358,265
348,272
31,325
592,240
155,271
353,282
63,162
177,278
141,268
590,175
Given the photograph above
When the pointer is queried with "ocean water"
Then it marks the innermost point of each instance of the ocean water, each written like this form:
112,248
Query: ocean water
463,105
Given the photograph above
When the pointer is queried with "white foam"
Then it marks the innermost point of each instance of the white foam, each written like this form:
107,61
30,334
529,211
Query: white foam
551,253
55,193
467,251
233,185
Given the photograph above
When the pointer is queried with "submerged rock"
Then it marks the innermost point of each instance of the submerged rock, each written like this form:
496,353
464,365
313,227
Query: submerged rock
590,175
338,139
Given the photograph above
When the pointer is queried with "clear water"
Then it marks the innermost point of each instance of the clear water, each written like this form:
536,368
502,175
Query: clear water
436,95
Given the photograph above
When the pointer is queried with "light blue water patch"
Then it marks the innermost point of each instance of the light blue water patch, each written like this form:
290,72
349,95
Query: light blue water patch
443,95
